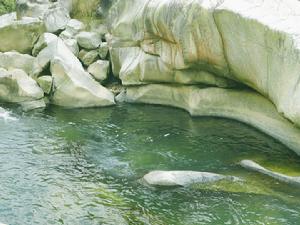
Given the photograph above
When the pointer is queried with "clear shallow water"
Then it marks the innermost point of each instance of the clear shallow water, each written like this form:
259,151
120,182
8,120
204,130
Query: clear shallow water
82,167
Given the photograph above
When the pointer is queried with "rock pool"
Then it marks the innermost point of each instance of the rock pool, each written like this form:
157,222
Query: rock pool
83,167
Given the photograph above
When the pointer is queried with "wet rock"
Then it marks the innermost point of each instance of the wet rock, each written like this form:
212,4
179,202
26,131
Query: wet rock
99,70
89,40
33,105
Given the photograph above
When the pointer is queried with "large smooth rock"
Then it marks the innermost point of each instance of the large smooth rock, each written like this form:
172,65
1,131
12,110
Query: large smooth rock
242,105
88,40
181,178
16,86
75,88
251,165
19,35
15,60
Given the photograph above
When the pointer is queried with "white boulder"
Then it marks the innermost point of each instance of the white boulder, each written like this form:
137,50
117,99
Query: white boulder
56,19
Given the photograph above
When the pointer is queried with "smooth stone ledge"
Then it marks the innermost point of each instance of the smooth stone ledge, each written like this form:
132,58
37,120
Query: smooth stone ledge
243,105
251,165
181,178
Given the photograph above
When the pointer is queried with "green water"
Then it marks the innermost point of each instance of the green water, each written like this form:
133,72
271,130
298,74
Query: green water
83,167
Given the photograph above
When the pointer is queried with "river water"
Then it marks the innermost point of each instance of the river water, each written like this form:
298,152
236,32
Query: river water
83,167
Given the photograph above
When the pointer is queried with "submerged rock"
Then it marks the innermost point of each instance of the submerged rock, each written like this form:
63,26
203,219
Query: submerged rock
251,165
181,178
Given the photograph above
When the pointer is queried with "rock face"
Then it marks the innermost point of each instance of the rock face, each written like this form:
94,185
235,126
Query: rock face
249,164
99,70
19,35
181,178
221,43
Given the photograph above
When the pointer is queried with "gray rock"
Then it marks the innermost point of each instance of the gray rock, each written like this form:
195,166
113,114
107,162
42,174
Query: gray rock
15,60
33,105
251,165
56,19
75,88
16,86
72,45
45,82
99,70
89,40
42,42
88,57
74,27
103,50
181,178
19,35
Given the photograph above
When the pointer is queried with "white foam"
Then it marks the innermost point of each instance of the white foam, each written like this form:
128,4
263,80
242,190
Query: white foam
6,115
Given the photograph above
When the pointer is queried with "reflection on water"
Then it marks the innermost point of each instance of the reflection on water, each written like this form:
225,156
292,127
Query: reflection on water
82,167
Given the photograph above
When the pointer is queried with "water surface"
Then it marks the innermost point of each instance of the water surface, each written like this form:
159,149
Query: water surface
83,167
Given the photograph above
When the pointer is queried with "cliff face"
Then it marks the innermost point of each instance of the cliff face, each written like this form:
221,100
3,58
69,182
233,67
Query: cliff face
210,49
256,43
